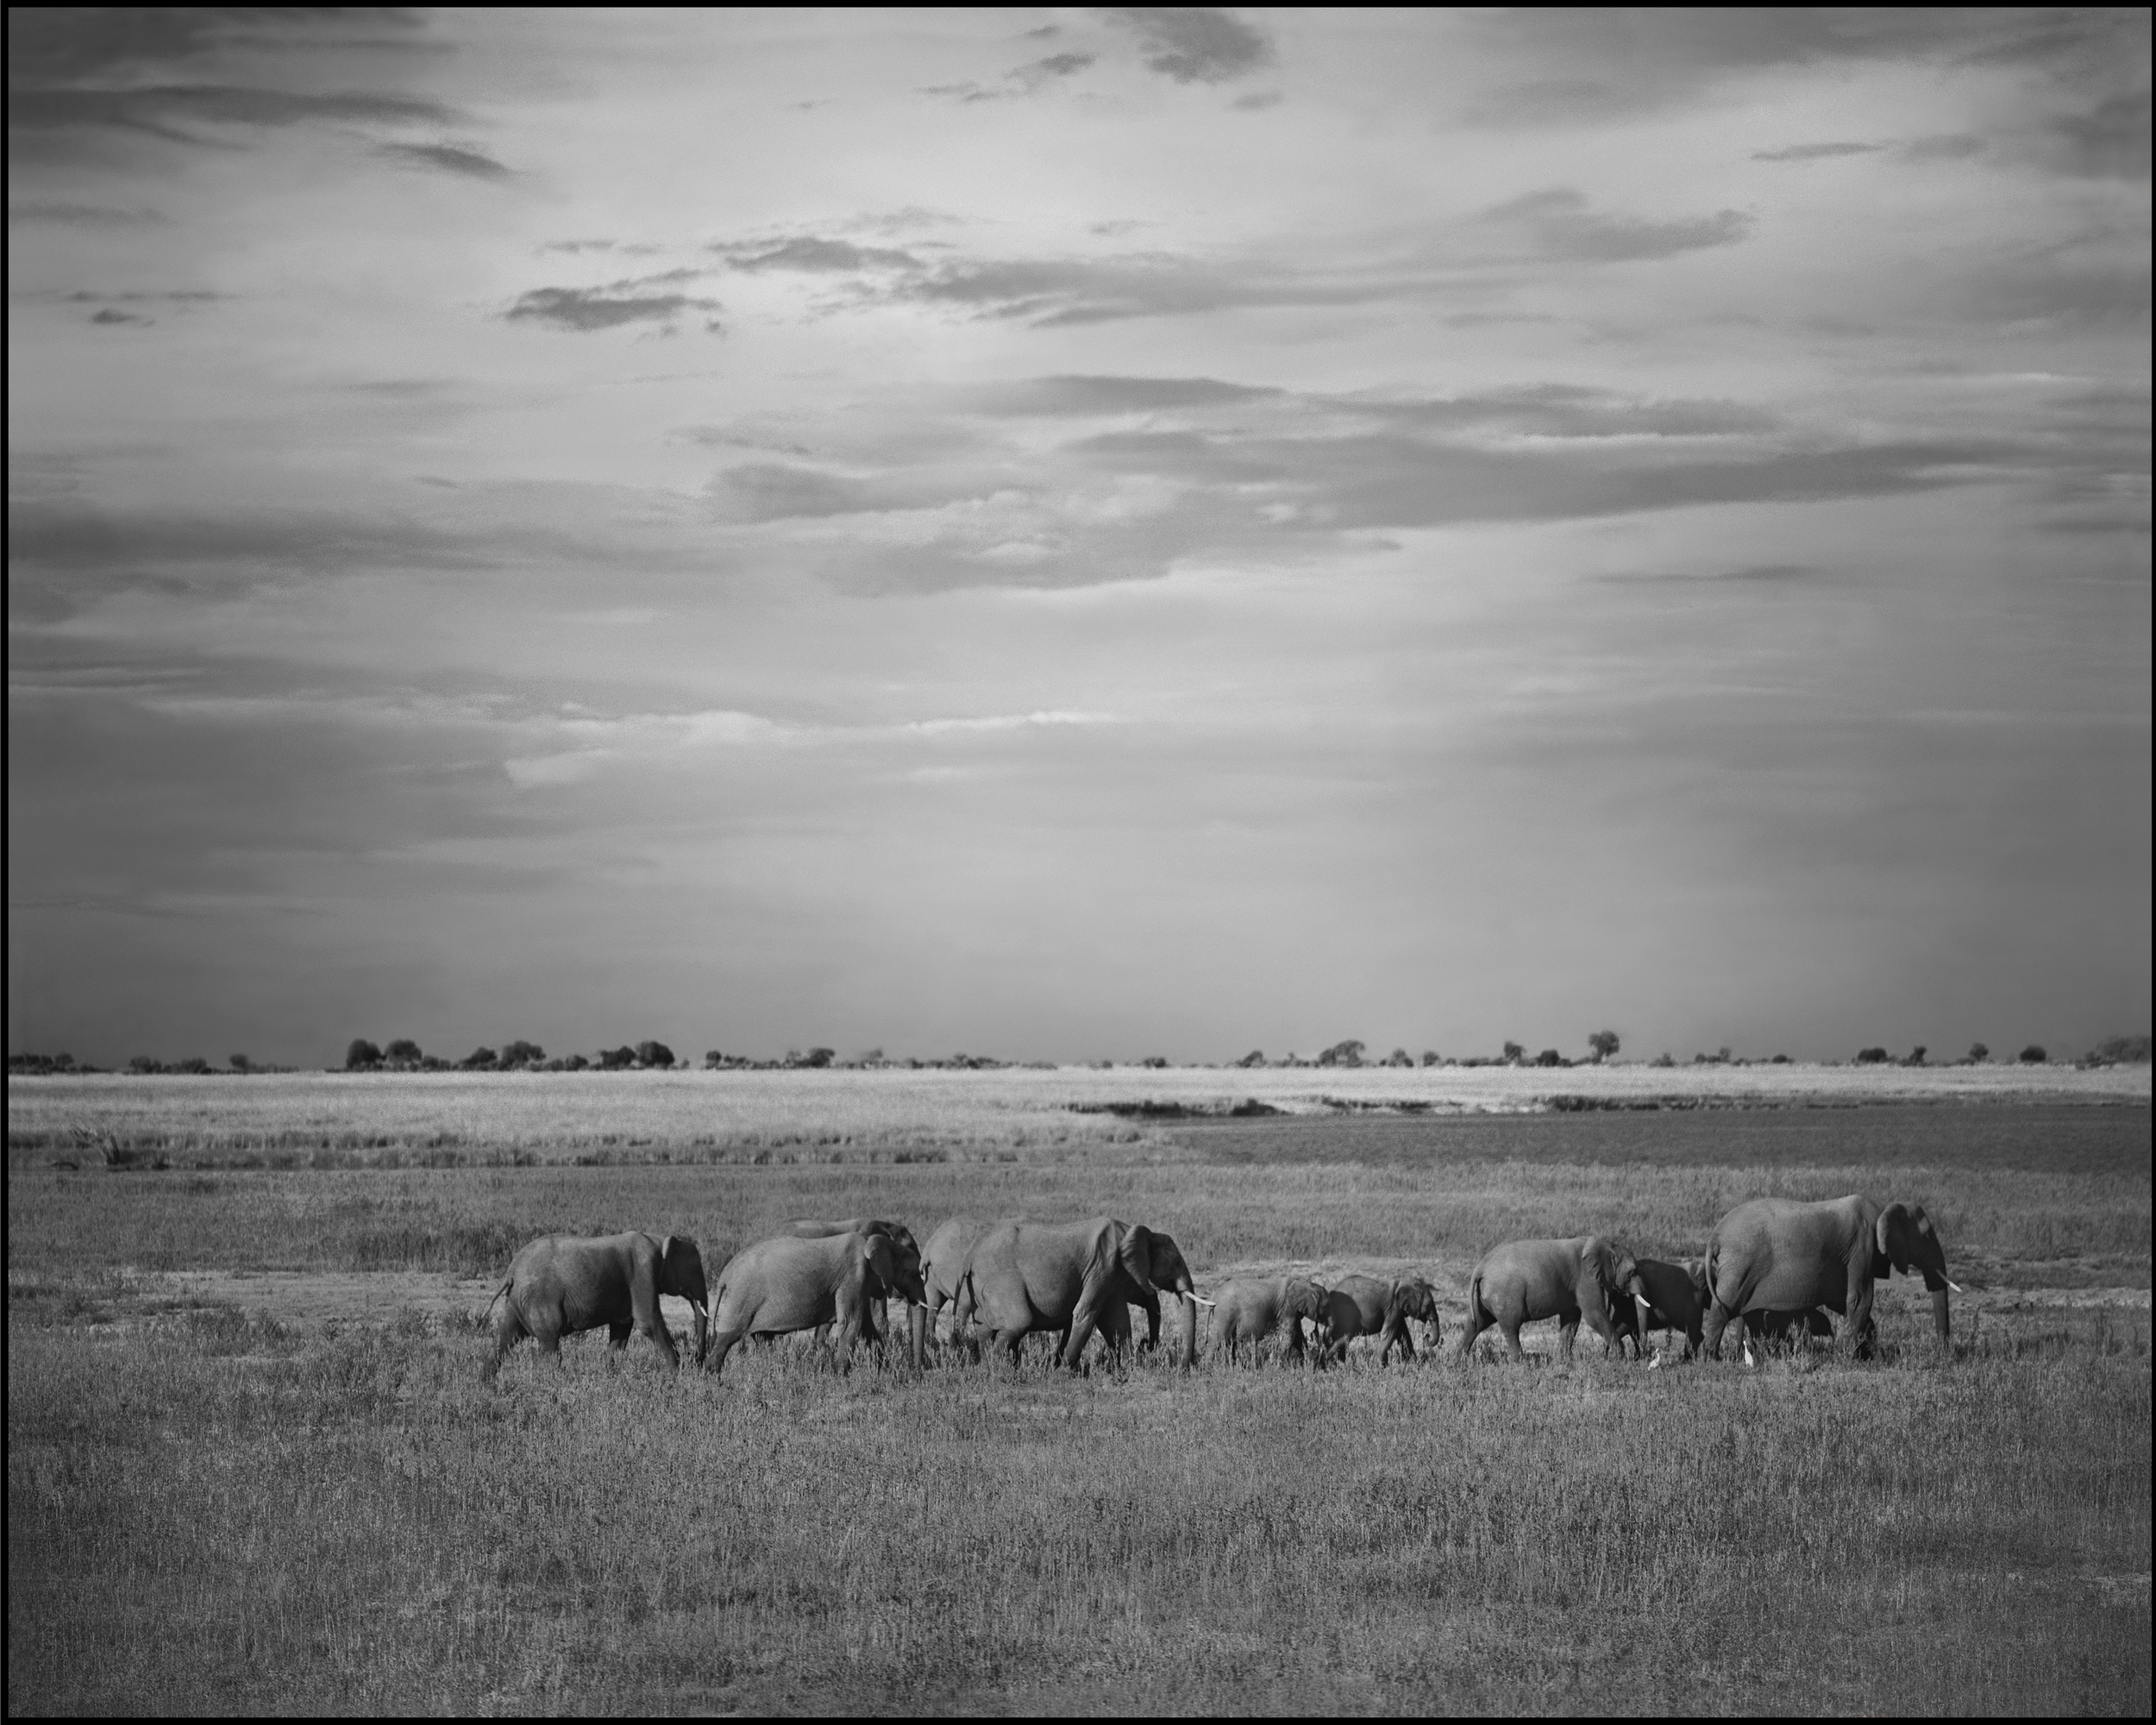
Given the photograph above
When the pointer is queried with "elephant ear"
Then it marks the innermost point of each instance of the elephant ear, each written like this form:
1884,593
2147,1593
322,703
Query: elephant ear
876,1251
1136,1254
1891,1236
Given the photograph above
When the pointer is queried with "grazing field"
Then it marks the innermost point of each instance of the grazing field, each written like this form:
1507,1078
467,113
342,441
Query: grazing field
248,1446
340,1119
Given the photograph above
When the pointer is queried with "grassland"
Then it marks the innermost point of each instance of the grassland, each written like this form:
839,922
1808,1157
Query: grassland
334,1119
222,1495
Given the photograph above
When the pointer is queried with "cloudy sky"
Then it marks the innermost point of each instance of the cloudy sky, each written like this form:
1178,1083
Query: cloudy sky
1070,534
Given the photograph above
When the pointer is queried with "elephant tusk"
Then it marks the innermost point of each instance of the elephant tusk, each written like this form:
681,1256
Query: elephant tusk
1954,1284
1199,1300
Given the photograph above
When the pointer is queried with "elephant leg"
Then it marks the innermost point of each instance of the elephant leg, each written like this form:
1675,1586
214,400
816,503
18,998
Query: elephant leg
1568,1334
722,1344
617,1337
1511,1333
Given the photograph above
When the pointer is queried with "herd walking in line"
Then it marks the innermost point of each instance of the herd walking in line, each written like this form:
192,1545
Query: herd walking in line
1775,1267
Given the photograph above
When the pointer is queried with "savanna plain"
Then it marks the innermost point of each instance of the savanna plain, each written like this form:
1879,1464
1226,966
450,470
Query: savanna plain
252,1465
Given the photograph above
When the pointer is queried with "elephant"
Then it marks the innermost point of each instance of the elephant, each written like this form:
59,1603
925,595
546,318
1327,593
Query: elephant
1565,1279
1363,1306
560,1284
1250,1310
907,1254
1783,1255
1677,1300
1023,1276
789,1283
944,1267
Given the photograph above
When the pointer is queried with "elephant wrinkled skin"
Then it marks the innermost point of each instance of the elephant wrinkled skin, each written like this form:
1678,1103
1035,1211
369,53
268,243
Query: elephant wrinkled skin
1363,1306
1253,1309
1023,1276
778,1286
1780,1255
560,1284
1566,1279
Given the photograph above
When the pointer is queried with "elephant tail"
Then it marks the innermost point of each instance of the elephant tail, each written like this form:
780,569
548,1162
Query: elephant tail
1478,1316
486,1311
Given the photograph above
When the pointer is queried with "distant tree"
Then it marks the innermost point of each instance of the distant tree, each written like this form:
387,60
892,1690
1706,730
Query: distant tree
1432,1058
1663,1059
1604,1044
62,1062
2113,1051
360,1054
1721,1055
433,1063
873,1058
1158,1062
192,1063
613,1059
238,1063
142,1063
574,1062
2034,1055
1348,1053
1254,1057
1779,1060
713,1057
1916,1056
1550,1057
814,1057
653,1054
480,1058
1871,1057
1979,1054
403,1051
1400,1056
522,1053
1515,1053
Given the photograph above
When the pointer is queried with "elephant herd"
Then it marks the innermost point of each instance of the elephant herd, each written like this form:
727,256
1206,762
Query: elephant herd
1775,1265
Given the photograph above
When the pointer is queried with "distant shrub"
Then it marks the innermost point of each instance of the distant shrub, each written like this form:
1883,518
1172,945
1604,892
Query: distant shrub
1348,1053
614,1060
1916,1056
814,1057
1432,1058
1400,1056
46,1064
1979,1054
1158,1062
2034,1055
1663,1060
1872,1057
653,1054
1254,1057
1602,1044
522,1053
238,1063
433,1063
478,1059
1550,1057
2119,1051
1779,1060
403,1051
574,1062
194,1063
360,1054
1515,1052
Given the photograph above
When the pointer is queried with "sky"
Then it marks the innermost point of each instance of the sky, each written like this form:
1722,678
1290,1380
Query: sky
1078,534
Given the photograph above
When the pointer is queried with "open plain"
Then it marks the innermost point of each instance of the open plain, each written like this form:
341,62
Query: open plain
251,1463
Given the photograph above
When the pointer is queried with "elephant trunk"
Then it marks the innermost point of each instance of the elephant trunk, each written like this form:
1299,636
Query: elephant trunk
916,1317
1939,1320
1189,1305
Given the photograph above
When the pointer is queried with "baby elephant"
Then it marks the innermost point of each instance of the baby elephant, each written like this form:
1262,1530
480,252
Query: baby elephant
1363,1306
561,1284
1249,1311
1676,1301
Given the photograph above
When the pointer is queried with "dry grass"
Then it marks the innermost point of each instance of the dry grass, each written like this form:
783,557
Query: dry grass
285,1510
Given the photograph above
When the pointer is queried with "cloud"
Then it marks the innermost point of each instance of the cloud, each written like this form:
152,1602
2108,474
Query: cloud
448,159
1943,147
1108,395
169,111
1815,152
2108,141
1258,99
777,491
811,254
109,315
80,214
1558,226
1598,64
583,310
1195,44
